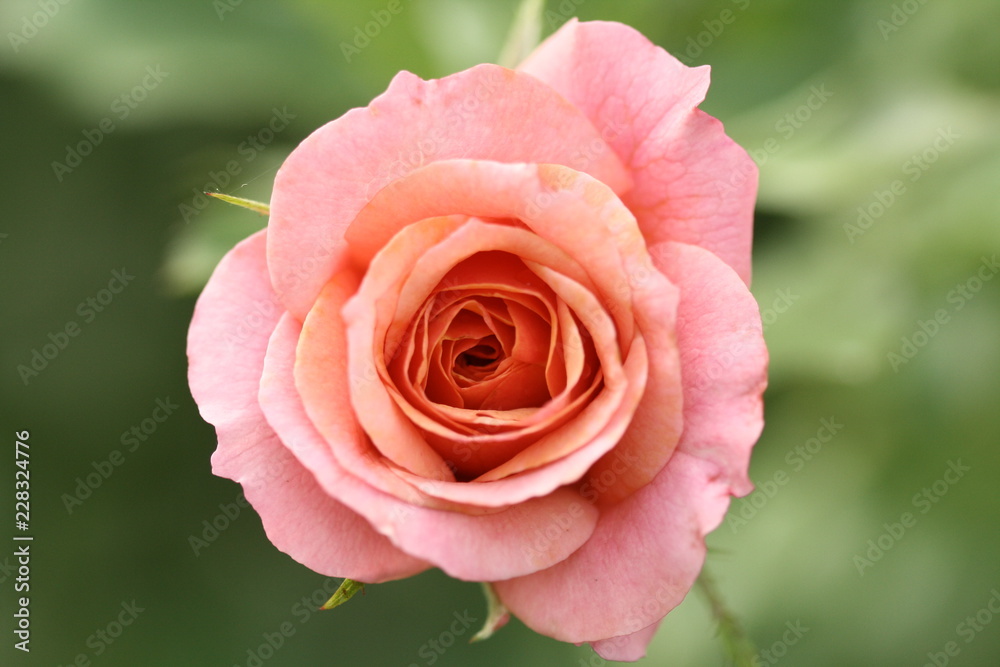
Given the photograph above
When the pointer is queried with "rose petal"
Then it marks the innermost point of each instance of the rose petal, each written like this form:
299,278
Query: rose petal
366,317
692,183
330,177
568,208
226,345
723,360
626,648
518,314
321,378
531,536
611,408
618,398
568,469
656,426
649,549
652,543
388,427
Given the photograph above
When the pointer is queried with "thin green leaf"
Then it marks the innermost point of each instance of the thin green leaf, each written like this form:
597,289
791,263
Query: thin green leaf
259,207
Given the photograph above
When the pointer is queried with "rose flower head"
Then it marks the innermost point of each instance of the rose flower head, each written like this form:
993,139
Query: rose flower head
499,324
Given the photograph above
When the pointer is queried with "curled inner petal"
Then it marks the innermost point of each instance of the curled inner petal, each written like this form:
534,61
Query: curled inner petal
477,338
493,338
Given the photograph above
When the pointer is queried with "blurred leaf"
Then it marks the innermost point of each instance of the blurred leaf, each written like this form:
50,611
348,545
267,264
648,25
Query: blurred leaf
525,32
195,249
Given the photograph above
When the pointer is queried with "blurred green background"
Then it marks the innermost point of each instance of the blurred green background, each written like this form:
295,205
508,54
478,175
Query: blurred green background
875,125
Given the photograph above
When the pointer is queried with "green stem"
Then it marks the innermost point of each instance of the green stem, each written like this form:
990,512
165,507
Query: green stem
738,644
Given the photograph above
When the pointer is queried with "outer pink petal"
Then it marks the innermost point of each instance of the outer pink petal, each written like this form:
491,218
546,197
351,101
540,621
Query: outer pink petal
483,547
639,564
692,183
723,360
647,551
655,429
487,113
627,648
226,345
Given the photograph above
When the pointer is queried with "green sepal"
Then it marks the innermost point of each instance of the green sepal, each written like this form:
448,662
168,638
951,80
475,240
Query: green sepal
346,591
497,615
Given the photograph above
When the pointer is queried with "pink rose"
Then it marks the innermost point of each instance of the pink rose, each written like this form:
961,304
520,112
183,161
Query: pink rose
499,324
